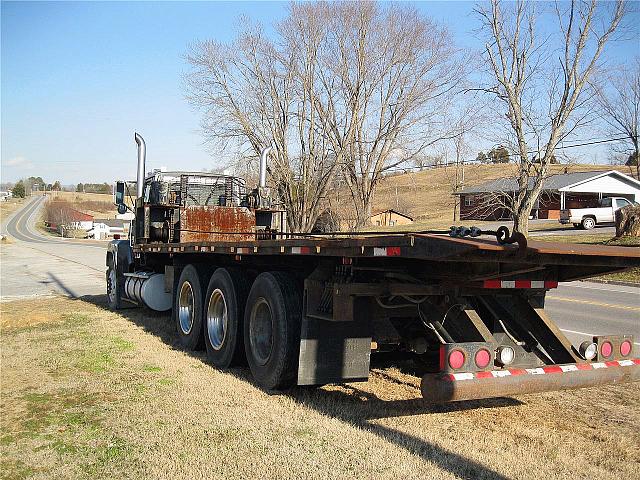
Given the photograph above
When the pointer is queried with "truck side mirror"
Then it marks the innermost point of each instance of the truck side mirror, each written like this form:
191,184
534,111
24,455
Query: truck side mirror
119,196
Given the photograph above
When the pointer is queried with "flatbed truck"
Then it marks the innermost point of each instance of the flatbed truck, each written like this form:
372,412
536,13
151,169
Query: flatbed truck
466,306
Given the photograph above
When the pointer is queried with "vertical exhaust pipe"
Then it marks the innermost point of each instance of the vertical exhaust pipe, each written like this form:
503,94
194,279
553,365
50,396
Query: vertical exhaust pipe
263,167
142,153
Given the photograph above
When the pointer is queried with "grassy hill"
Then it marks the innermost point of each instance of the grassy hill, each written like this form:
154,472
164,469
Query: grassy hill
426,195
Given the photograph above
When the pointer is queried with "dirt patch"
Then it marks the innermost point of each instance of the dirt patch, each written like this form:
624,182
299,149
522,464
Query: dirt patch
88,393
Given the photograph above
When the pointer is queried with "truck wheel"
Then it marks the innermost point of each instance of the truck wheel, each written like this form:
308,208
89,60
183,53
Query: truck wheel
114,289
188,309
224,316
588,223
272,322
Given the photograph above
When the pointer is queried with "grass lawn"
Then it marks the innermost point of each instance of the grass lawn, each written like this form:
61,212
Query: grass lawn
87,393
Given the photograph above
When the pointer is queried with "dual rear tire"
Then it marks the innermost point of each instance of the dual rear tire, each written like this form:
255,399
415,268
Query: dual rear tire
234,322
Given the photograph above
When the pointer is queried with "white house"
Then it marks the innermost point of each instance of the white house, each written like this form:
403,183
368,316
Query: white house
103,228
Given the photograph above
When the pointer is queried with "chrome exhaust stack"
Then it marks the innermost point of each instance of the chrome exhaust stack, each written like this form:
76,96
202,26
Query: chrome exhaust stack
142,153
263,167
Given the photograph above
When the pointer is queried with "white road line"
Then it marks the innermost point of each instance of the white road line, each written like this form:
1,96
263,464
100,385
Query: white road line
601,286
587,334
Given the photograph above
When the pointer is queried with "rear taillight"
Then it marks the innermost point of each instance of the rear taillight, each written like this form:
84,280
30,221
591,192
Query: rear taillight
482,358
466,356
614,347
606,349
456,359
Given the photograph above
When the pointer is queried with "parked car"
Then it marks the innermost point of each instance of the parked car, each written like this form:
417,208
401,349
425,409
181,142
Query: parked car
588,218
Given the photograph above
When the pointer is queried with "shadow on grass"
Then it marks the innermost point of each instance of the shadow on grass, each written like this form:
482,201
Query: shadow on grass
350,405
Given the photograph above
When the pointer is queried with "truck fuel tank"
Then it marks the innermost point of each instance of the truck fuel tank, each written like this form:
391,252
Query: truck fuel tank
147,288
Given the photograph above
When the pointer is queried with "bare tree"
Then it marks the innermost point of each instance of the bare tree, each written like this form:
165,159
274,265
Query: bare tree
542,88
620,104
389,76
255,92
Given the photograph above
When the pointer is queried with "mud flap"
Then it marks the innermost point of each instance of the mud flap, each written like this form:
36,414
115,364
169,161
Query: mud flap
335,351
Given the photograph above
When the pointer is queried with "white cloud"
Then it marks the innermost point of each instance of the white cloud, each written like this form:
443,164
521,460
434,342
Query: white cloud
18,162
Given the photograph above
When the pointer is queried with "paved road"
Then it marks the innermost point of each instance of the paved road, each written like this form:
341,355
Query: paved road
36,264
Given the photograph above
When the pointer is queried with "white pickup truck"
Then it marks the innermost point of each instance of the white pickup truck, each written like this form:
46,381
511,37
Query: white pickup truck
588,218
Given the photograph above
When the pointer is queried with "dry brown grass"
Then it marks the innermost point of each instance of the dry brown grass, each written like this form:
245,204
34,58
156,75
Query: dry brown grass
96,204
87,393
10,206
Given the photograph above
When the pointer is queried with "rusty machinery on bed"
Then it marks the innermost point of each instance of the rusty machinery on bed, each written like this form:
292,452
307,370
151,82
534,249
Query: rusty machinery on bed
188,207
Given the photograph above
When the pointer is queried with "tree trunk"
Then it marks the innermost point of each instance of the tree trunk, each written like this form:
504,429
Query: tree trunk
628,221
521,221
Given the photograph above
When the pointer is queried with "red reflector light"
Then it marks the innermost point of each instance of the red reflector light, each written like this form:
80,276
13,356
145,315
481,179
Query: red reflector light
606,349
483,357
625,348
456,359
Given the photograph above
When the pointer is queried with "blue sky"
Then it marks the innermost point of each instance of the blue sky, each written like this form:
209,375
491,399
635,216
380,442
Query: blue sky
78,79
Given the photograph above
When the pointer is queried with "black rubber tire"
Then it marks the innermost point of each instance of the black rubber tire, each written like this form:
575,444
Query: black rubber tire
282,294
190,338
234,287
114,301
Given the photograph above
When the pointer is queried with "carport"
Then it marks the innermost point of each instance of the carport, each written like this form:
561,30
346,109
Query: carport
561,191
586,192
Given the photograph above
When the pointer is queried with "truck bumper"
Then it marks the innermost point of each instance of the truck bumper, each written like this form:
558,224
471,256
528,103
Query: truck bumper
441,388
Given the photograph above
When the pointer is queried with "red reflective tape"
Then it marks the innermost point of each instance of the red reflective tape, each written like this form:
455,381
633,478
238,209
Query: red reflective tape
484,375
612,363
492,284
305,250
523,283
636,361
448,377
584,366
517,371
393,251
552,369
442,357
551,284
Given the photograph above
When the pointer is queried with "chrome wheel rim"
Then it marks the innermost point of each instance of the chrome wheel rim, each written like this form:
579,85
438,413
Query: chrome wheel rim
185,308
217,319
589,223
111,285
261,331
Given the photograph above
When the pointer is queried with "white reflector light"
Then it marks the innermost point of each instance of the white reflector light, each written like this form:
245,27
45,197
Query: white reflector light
505,355
588,350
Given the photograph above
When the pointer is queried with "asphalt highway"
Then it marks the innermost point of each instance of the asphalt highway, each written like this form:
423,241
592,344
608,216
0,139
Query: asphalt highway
37,264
